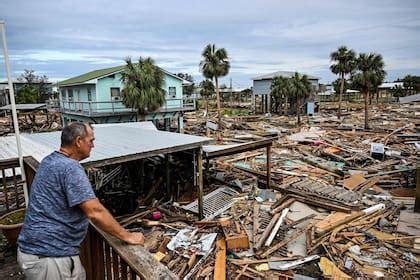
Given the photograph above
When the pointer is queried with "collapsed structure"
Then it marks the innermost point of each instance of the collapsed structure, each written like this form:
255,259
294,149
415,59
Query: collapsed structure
324,200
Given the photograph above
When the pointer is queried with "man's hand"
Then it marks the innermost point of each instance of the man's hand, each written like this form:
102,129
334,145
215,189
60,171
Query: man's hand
134,238
101,217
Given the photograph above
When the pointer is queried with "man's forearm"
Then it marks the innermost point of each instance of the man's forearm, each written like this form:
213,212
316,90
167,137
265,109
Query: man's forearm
106,222
101,217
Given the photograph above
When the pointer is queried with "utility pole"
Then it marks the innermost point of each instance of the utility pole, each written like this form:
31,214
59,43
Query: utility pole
14,114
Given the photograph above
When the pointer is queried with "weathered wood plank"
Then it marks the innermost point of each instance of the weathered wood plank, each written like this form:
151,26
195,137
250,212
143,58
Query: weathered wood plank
220,263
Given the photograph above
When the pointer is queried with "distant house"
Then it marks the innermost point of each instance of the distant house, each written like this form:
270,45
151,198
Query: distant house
386,90
17,85
327,93
262,84
95,97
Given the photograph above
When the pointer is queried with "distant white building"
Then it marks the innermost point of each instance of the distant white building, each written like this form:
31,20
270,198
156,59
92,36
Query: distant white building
392,85
262,84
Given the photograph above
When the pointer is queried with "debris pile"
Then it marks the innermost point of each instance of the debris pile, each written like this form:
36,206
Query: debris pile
340,204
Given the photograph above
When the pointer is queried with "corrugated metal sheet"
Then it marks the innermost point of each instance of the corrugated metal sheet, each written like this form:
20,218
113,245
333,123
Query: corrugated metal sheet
410,99
25,107
112,141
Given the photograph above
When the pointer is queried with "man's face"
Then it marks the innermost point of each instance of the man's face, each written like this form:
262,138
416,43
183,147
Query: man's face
85,145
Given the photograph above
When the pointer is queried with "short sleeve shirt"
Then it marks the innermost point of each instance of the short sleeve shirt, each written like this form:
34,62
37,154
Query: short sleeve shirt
54,223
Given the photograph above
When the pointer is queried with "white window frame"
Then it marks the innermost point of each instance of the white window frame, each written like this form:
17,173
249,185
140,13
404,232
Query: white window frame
113,96
173,94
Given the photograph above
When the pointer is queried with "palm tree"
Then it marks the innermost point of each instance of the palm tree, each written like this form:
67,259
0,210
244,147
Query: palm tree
408,83
280,88
397,92
143,85
215,64
300,87
369,75
346,63
206,90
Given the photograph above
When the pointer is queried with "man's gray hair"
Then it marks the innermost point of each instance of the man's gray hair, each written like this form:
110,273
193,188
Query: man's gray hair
72,131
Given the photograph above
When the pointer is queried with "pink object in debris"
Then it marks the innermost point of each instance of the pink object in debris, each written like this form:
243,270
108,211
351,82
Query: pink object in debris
317,142
156,215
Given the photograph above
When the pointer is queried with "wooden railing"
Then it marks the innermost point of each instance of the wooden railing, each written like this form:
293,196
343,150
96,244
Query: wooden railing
105,257
92,108
11,193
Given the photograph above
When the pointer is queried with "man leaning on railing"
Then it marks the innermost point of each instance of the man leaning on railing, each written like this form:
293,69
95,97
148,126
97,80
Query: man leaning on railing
61,202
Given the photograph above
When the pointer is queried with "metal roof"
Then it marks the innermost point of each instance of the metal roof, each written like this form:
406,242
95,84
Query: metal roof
25,107
410,98
286,74
391,85
90,76
114,143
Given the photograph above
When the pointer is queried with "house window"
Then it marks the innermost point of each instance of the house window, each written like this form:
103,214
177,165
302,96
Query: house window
172,92
70,95
89,92
63,95
115,93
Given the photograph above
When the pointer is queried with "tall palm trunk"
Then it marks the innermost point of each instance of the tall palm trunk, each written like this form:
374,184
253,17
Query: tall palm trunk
207,116
280,106
367,97
141,116
219,113
340,96
298,109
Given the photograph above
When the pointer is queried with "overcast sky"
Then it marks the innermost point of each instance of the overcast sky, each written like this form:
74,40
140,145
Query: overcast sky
62,39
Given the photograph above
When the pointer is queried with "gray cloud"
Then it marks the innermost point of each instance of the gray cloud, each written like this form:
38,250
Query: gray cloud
66,38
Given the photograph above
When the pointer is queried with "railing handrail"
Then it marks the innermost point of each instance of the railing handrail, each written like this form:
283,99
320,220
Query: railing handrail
138,259
117,106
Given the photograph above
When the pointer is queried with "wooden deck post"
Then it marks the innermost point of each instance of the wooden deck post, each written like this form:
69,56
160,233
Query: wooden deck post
268,160
200,182
167,178
417,204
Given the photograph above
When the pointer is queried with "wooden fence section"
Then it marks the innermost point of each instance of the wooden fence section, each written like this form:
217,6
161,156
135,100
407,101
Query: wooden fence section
106,257
11,193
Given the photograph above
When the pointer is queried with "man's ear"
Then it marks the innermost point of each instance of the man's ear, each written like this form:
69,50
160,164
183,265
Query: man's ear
78,139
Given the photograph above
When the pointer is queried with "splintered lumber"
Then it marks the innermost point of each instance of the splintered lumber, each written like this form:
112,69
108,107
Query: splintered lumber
250,270
199,265
174,262
417,202
354,181
276,227
282,243
127,221
182,270
366,185
256,224
220,263
333,220
267,231
330,270
272,259
235,235
241,272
